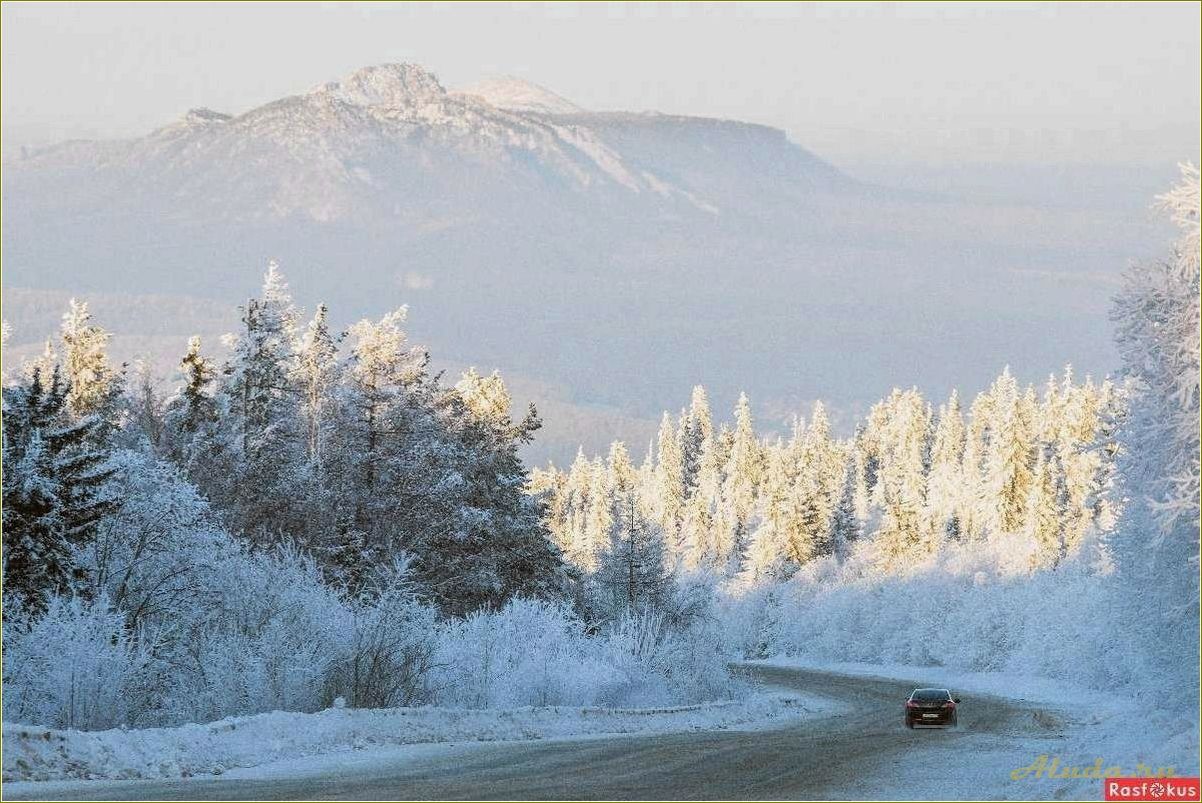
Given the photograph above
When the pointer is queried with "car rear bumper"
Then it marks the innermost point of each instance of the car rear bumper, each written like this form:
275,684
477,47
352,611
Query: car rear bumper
940,720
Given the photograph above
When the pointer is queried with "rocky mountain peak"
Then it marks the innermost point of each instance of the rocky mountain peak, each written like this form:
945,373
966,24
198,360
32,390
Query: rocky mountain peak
389,85
204,116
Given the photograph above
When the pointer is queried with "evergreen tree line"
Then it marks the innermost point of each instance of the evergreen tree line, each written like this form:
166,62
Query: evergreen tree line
1027,475
342,445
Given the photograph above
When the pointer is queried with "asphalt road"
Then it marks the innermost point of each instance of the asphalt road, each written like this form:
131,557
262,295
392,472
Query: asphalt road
815,759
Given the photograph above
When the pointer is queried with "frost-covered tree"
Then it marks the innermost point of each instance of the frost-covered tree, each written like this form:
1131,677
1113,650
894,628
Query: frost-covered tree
1044,525
696,436
630,574
698,538
194,407
388,463
1157,319
860,467
821,462
316,377
150,554
1082,443
499,548
670,488
976,505
195,439
568,528
264,413
845,527
740,486
1105,501
263,400
705,544
598,518
386,379
946,485
904,532
94,387
1009,456
144,409
56,489
779,545
6,332
623,477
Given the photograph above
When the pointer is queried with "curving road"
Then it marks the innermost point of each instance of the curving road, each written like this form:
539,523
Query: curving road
861,752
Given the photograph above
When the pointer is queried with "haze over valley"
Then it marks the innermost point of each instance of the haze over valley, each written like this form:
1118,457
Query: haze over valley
605,261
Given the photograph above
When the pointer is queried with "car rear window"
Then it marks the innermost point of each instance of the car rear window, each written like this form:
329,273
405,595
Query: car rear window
930,694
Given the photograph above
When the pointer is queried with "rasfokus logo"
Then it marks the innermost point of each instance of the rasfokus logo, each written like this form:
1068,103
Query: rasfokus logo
1151,789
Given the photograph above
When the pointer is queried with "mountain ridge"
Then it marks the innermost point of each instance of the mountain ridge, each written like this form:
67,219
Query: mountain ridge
395,124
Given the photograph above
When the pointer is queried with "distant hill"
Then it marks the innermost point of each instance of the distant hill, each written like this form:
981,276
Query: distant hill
606,260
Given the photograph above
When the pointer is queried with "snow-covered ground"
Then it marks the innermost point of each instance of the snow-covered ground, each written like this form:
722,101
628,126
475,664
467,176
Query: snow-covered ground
38,754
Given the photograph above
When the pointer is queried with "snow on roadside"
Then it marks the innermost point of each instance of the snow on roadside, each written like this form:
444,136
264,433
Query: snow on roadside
41,754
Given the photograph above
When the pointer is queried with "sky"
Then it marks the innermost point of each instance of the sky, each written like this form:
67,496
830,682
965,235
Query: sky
933,84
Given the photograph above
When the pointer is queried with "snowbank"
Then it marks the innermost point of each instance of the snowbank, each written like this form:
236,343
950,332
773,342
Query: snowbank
39,754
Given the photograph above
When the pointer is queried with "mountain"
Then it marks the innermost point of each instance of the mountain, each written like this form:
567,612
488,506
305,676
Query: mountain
516,95
390,145
611,259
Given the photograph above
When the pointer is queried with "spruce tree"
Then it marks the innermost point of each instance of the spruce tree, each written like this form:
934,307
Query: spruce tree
56,488
947,472
696,437
501,549
94,387
630,574
191,417
316,376
1008,459
1044,525
670,485
845,524
263,405
740,486
903,481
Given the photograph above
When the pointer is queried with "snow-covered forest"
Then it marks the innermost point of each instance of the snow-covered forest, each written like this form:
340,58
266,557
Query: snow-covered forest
318,518
321,517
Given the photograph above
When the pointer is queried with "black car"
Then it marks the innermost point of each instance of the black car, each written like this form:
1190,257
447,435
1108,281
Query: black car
931,708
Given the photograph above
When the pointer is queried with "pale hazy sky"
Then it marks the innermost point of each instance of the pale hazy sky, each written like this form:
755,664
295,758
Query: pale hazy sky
920,83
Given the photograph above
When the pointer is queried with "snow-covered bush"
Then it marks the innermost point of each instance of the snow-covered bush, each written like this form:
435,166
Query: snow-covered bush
958,610
155,555
692,661
537,653
385,655
264,641
76,666
264,633
528,653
